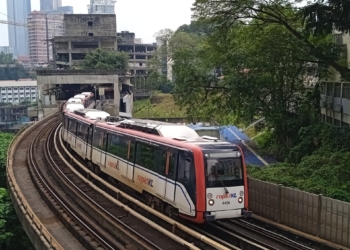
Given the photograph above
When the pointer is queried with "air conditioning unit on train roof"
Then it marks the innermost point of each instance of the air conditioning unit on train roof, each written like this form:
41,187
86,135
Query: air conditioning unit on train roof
164,129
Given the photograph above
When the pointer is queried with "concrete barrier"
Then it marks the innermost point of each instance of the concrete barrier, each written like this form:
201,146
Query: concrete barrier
310,213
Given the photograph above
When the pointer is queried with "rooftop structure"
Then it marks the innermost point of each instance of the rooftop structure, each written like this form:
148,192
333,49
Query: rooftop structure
139,54
83,33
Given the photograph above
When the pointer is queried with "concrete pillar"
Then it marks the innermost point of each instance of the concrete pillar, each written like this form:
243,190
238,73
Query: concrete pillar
70,59
113,109
40,98
134,49
99,44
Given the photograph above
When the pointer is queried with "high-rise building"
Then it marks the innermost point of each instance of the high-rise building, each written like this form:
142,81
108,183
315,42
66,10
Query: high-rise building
39,47
50,4
101,7
17,11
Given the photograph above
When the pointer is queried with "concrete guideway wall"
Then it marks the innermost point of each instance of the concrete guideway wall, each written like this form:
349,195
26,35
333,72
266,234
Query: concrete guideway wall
38,234
314,214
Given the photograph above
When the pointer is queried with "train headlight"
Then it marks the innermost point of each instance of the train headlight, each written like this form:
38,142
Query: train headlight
240,199
211,202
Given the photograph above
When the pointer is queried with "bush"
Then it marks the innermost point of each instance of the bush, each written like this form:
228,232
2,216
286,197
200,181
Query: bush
319,163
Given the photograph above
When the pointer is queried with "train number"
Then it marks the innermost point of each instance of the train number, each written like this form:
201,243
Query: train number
225,203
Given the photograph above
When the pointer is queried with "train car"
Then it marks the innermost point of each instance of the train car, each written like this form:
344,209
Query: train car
75,100
71,107
177,172
88,94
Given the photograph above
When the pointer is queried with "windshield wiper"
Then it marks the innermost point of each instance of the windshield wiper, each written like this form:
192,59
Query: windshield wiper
223,185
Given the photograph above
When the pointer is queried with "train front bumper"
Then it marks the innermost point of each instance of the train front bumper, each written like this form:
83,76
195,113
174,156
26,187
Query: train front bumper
228,214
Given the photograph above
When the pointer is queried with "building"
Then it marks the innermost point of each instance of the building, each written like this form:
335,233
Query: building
66,9
18,91
6,50
101,7
12,118
50,4
166,63
18,12
138,41
40,50
83,33
139,54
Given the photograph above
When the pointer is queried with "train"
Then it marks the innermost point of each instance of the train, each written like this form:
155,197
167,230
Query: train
79,101
175,171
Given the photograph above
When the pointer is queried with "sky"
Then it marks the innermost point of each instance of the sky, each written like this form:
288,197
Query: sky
144,18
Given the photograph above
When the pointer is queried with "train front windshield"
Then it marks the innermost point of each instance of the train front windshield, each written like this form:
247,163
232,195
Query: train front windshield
224,169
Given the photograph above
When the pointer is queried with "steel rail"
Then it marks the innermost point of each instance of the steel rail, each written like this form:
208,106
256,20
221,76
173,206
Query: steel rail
137,202
82,193
52,192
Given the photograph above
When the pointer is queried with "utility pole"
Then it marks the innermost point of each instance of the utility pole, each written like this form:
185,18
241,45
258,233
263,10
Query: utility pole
47,39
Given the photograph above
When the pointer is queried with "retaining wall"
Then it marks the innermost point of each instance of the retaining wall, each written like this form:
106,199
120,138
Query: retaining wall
314,214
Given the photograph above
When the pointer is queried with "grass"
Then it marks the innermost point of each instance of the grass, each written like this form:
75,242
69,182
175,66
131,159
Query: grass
157,106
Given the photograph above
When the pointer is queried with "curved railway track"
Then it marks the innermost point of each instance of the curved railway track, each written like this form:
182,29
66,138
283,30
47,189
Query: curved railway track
102,216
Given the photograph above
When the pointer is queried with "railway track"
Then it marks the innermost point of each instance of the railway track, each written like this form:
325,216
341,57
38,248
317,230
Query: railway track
110,209
101,216
90,236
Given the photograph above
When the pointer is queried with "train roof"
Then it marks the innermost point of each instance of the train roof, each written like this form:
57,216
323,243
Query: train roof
177,132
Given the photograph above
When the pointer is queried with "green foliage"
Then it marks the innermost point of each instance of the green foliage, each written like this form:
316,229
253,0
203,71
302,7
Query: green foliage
158,105
259,80
282,13
106,59
5,140
319,163
12,235
322,17
10,70
155,80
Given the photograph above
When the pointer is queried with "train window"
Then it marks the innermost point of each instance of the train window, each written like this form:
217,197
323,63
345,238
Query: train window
99,138
118,146
184,165
159,160
163,164
145,156
72,126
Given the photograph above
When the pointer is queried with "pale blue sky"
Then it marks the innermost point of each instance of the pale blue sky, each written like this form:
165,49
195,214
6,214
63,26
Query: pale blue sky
145,18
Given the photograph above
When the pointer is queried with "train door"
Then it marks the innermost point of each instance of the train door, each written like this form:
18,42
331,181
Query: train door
104,149
130,159
170,174
89,143
185,193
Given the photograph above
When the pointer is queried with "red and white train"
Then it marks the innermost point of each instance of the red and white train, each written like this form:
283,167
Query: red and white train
177,172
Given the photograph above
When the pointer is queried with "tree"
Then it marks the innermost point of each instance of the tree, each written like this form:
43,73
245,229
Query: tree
5,140
106,59
322,17
259,80
225,14
171,42
12,235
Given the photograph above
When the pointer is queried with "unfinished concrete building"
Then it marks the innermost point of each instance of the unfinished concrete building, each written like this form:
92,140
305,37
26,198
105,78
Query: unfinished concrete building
83,33
139,54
